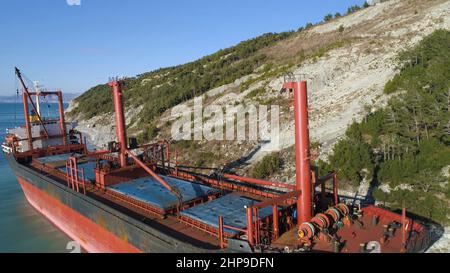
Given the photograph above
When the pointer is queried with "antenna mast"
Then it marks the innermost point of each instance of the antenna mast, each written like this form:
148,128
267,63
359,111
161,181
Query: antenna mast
27,97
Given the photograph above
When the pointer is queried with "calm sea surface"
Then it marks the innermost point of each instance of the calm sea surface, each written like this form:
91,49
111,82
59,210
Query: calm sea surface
22,228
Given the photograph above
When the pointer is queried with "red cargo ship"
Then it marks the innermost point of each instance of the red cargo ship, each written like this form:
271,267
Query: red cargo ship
136,198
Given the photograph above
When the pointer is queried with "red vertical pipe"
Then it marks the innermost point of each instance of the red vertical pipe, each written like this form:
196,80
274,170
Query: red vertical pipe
27,94
221,241
176,162
62,120
257,226
335,189
302,160
120,121
27,121
250,226
275,222
404,223
74,163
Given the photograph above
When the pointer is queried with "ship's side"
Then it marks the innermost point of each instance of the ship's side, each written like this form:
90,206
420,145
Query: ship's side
134,198
98,228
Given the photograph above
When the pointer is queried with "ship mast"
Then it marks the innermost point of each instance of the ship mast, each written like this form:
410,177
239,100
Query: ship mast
38,98
302,152
26,98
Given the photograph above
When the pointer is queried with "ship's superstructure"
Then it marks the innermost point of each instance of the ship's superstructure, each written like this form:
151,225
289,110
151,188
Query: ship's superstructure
137,198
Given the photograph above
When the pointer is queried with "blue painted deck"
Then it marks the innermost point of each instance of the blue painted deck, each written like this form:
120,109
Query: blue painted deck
152,192
55,158
231,207
88,167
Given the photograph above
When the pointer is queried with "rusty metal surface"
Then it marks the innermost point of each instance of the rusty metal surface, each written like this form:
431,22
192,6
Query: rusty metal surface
150,191
363,232
144,231
231,207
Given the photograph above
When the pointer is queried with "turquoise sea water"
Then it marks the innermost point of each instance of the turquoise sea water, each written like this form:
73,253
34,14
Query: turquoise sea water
22,228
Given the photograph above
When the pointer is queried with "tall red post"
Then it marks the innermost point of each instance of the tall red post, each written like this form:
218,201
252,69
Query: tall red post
221,240
176,162
275,222
302,153
257,226
62,120
404,229
26,112
335,189
120,121
250,226
25,91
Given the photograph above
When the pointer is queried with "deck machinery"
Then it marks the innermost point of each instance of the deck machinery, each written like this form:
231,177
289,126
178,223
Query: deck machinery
137,198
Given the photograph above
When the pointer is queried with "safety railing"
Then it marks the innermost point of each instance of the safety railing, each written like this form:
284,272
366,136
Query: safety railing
75,177
322,183
221,234
253,220
7,149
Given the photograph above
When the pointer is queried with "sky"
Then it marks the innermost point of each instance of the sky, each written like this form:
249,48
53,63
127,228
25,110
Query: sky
75,47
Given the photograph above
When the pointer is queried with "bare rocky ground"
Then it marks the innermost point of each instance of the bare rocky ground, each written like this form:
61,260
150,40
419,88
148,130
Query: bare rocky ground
344,83
443,243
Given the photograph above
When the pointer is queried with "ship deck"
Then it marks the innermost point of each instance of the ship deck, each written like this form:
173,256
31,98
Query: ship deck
149,191
146,190
360,233
57,159
231,207
198,222
168,224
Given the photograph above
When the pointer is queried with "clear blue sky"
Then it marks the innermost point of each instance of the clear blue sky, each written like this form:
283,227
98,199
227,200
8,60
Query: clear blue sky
76,47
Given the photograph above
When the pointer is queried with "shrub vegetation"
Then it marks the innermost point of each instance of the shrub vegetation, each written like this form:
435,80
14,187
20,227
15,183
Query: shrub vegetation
406,143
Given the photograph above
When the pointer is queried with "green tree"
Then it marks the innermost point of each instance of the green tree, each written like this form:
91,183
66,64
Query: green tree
268,166
328,17
353,9
406,143
352,157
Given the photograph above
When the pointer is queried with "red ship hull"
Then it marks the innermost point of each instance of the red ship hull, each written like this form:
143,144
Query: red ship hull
92,237
102,220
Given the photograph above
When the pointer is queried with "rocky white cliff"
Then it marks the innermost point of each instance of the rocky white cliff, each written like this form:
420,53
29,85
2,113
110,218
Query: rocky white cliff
344,83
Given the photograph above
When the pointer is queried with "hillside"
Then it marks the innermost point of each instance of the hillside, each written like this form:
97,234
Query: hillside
354,65
347,62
